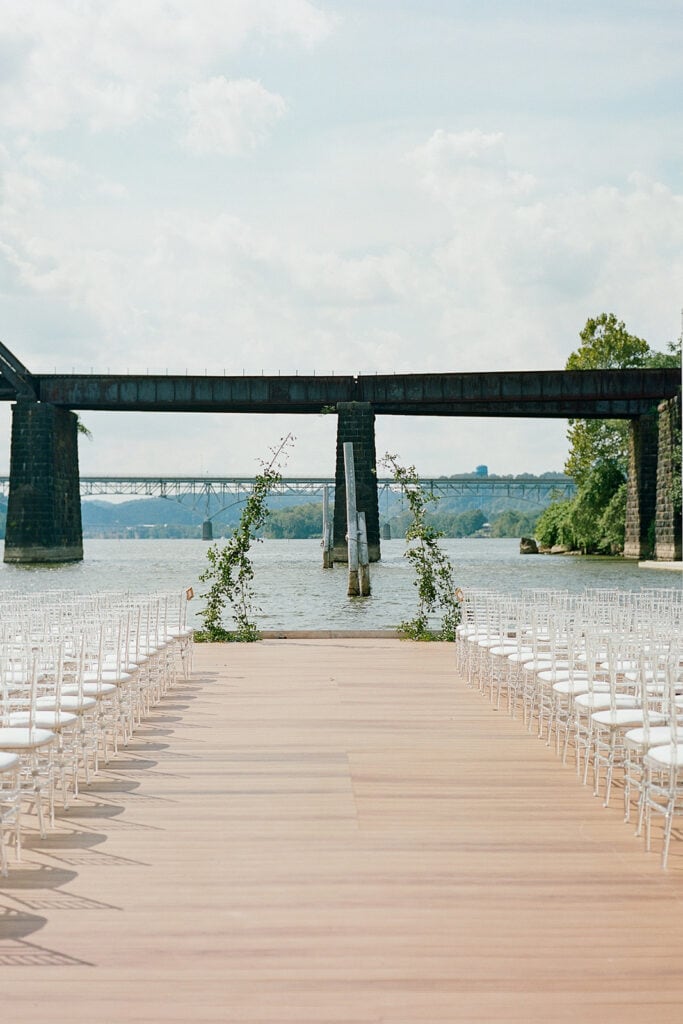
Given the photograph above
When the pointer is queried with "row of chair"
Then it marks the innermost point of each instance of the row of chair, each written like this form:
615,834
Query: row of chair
78,674
600,672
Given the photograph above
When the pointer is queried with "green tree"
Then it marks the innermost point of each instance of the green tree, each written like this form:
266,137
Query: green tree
605,344
514,523
597,493
469,522
594,521
671,359
296,521
554,525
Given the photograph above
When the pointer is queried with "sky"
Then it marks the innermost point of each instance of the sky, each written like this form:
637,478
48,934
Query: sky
333,186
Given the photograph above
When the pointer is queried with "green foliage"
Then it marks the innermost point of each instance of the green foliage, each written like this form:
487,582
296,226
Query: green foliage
297,521
597,493
433,570
82,429
465,523
513,523
593,442
613,522
594,521
670,359
508,523
554,525
230,571
605,344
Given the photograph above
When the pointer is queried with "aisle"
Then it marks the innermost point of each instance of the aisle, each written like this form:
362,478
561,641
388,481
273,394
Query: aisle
338,832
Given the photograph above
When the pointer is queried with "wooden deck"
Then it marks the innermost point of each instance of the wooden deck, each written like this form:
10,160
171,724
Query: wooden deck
340,832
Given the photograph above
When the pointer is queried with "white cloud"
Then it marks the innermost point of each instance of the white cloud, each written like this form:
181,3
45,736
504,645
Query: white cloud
112,65
462,167
522,264
229,117
508,283
112,190
369,240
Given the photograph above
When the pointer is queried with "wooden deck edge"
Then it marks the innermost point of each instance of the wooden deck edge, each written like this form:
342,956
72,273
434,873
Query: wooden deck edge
330,634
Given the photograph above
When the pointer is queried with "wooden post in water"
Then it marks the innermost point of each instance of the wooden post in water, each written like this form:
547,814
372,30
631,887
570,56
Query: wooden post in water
328,554
363,557
351,519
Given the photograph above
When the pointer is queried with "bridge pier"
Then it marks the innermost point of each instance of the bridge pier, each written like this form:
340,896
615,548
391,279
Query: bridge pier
668,512
44,502
356,423
641,494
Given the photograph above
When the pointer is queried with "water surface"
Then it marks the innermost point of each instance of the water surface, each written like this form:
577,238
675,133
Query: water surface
294,592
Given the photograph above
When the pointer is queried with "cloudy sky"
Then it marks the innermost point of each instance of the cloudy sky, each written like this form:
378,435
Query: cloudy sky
333,185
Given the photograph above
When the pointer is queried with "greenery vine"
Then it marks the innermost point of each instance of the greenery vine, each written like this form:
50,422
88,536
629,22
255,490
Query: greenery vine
230,571
434,580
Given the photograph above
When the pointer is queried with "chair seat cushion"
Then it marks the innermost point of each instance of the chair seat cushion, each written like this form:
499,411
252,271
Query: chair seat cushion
653,737
668,756
53,720
619,717
8,762
93,689
569,687
106,675
67,702
19,738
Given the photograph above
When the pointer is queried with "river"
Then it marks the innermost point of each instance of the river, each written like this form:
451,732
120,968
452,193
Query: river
294,592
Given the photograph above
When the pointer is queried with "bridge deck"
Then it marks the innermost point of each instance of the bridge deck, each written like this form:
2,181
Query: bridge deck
555,394
333,832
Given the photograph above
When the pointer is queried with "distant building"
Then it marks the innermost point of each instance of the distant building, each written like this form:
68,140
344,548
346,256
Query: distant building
481,471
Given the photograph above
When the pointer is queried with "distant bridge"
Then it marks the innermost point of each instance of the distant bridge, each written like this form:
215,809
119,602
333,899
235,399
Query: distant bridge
523,488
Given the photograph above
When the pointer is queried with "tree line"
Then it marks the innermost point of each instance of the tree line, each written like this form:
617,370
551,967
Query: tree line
594,521
302,521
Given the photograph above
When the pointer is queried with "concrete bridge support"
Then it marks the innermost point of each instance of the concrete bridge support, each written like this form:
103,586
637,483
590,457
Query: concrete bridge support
44,503
356,423
641,497
668,510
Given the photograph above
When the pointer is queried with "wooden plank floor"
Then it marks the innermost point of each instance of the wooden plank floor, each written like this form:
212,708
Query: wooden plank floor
340,832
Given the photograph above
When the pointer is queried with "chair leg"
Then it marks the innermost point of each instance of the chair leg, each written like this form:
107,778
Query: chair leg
668,822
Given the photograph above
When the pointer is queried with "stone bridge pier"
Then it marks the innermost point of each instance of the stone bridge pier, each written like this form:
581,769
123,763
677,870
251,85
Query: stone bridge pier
668,511
356,423
44,503
653,517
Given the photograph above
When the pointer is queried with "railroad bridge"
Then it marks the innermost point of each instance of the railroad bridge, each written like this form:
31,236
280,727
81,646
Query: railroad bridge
44,516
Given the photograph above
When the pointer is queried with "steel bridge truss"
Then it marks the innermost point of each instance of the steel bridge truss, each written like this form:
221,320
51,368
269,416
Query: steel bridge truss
229,490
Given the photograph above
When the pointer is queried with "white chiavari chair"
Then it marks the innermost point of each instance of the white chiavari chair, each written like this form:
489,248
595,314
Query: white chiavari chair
663,764
10,807
33,745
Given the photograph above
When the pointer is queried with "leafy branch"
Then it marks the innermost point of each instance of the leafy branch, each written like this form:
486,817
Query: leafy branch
434,572
230,571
